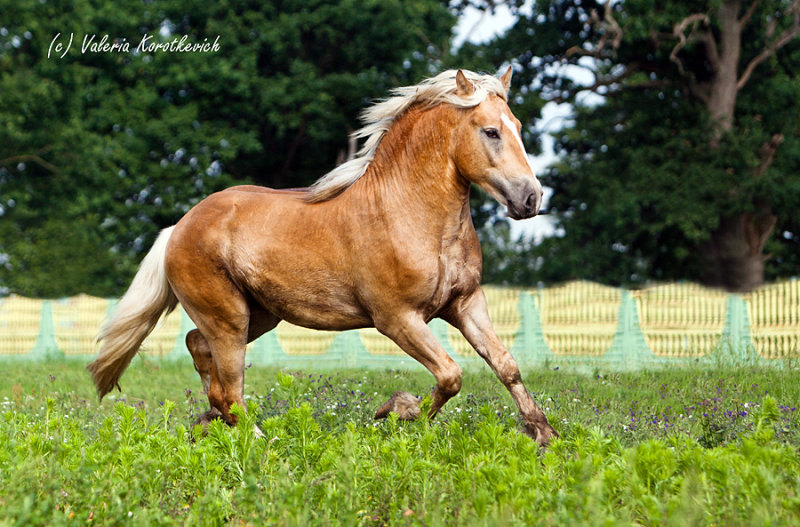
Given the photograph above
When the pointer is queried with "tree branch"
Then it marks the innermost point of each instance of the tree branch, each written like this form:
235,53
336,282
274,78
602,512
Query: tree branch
32,158
784,38
609,29
757,229
749,14
707,38
679,32
598,83
758,226
767,153
712,53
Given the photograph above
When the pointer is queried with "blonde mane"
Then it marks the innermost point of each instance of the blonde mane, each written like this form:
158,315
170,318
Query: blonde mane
379,117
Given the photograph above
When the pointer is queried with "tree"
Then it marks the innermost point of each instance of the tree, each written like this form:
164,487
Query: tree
685,170
99,150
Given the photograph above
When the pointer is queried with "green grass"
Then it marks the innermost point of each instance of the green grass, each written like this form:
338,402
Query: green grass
677,447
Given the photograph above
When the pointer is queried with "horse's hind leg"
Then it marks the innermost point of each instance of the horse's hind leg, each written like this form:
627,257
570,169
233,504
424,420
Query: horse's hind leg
415,338
261,321
223,375
203,364
201,355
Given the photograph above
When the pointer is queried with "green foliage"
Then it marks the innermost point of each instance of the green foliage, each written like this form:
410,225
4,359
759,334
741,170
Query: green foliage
100,150
65,460
506,260
638,188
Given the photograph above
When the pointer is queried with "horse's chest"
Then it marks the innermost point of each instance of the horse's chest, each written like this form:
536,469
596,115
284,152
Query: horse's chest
459,273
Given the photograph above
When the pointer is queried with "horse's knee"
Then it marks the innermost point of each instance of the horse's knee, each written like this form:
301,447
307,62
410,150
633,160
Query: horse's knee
510,375
507,370
449,383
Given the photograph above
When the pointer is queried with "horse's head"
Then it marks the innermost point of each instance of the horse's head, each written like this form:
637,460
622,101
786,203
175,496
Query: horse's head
487,149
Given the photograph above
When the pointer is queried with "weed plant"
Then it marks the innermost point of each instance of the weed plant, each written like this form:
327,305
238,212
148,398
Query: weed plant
675,447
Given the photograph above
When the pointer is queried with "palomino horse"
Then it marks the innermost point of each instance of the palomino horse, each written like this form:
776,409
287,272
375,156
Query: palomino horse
385,240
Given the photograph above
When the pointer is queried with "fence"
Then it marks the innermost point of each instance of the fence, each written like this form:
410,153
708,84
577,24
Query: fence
578,325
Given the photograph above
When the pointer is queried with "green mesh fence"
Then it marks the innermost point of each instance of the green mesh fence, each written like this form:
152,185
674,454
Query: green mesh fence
579,325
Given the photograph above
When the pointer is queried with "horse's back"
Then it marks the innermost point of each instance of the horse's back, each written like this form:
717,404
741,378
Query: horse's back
294,192
275,248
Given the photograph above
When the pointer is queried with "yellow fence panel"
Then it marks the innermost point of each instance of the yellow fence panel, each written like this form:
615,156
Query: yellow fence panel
296,340
681,320
76,322
165,336
579,318
774,312
19,324
672,321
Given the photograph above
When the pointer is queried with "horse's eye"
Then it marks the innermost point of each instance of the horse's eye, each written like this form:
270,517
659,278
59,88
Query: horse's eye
491,133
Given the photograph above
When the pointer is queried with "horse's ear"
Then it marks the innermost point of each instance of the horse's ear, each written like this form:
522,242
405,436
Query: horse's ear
464,88
506,78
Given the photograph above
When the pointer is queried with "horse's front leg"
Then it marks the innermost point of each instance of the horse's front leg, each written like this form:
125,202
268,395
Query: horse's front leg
415,338
470,315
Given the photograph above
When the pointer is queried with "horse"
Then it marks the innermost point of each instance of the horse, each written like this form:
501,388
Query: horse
384,240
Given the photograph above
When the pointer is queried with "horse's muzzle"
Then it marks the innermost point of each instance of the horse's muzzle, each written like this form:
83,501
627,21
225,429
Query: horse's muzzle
526,208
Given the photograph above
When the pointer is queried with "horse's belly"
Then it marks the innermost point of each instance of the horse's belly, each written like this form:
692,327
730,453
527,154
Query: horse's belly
314,307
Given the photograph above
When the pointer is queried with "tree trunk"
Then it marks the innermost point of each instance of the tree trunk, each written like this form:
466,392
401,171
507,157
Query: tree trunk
723,90
733,258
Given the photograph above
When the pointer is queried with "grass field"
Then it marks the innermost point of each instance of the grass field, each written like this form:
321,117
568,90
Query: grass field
678,447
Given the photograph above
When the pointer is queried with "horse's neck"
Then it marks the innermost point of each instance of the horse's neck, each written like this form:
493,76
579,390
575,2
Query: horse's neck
411,173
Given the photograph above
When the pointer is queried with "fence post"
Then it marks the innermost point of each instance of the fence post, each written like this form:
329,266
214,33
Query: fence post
735,345
267,350
629,350
347,350
529,348
440,329
46,346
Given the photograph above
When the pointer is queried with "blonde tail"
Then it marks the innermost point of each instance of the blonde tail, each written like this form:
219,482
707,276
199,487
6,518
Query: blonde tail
134,318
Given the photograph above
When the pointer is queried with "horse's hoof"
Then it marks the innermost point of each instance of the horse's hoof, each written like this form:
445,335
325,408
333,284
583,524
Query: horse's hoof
542,433
405,405
205,419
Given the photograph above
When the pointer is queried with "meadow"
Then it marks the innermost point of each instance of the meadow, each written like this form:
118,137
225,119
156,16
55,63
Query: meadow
690,446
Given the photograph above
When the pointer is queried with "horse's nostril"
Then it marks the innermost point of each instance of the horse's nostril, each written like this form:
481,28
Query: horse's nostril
532,203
